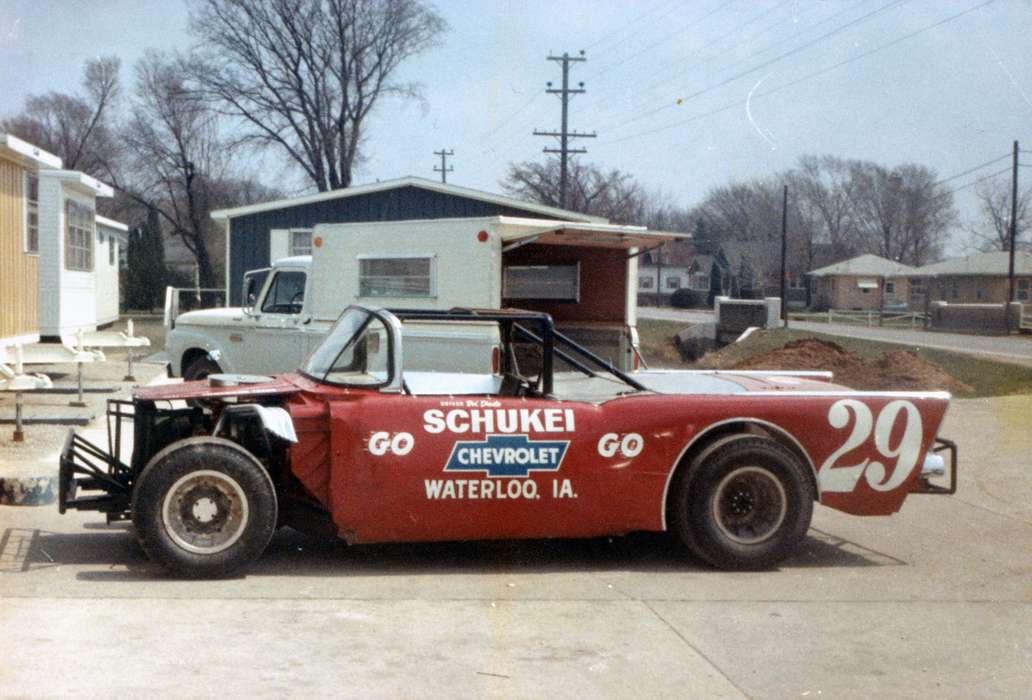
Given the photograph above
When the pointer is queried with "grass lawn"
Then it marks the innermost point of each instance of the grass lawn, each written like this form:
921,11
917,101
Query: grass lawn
987,377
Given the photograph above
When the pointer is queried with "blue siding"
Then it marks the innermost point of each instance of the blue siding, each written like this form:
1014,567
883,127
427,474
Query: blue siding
249,235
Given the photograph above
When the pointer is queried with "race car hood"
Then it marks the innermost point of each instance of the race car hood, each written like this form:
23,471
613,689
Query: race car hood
203,389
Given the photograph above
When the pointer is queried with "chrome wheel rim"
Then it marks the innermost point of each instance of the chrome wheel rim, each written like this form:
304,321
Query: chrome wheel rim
205,512
749,505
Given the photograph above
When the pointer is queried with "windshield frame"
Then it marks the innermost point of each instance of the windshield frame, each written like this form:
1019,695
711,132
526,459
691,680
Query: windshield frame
393,382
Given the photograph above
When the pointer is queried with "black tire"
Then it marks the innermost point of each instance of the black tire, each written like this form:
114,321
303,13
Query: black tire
744,503
200,368
204,507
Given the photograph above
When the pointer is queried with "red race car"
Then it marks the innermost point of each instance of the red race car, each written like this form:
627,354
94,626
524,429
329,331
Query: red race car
555,442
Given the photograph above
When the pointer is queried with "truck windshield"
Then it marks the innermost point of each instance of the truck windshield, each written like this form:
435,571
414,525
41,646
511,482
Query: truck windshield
355,353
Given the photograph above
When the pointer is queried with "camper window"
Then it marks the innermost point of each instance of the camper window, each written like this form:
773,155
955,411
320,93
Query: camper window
301,242
396,276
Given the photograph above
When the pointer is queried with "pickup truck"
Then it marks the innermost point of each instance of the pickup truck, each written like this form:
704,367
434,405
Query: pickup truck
276,330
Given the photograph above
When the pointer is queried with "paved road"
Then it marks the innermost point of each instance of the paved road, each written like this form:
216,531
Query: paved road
936,600
1017,349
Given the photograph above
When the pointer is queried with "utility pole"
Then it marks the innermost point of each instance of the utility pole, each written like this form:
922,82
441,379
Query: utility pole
444,159
784,252
564,134
1013,224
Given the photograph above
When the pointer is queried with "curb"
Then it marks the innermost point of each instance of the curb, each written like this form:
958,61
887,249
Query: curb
28,491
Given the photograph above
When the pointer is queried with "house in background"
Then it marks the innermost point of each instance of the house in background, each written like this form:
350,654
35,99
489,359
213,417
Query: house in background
260,233
978,279
20,167
674,272
866,282
71,271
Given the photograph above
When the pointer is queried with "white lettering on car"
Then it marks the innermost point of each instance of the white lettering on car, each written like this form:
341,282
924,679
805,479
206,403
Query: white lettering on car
499,420
629,445
382,442
839,478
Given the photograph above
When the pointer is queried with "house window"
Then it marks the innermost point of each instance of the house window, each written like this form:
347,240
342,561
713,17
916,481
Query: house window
300,242
1024,289
396,276
673,282
890,287
700,283
31,213
111,251
979,291
543,282
78,237
954,288
644,283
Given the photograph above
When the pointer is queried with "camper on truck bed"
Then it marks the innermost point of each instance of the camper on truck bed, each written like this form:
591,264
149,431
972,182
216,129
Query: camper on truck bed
583,274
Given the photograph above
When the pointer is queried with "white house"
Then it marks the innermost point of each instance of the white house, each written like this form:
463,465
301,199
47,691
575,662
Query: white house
674,277
76,270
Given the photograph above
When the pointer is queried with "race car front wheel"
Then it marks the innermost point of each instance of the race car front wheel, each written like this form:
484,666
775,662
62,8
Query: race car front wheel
745,503
204,507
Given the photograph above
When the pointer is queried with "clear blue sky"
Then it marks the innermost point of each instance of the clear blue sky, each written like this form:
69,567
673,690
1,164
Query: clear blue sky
950,97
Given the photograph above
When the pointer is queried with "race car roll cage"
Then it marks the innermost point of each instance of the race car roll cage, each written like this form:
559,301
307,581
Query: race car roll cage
512,324
88,467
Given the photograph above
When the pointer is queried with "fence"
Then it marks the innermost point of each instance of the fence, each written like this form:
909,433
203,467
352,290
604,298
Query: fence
871,317
179,300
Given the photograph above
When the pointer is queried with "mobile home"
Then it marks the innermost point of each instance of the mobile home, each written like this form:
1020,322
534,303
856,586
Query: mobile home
71,271
20,167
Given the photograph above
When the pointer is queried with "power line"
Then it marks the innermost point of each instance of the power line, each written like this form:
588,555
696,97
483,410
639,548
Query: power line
720,6
720,38
633,22
971,170
981,179
764,64
809,76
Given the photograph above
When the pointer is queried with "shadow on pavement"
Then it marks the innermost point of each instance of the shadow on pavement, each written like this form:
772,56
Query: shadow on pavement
293,554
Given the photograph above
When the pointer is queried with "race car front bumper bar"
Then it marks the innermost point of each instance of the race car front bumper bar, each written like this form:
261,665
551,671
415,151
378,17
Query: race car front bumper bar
935,466
87,467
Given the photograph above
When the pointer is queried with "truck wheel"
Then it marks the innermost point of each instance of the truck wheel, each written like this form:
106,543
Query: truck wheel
204,507
746,503
200,369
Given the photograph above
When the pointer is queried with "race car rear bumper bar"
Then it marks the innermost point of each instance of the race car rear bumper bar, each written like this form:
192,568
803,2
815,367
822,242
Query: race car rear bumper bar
935,465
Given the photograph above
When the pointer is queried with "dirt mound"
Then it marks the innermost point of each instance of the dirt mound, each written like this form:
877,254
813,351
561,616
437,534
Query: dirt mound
893,371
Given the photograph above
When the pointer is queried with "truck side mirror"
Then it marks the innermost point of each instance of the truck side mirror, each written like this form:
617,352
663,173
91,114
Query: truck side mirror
250,293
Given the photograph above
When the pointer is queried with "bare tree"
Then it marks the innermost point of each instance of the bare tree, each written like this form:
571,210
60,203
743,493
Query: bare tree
177,157
304,75
78,128
901,213
590,190
821,192
992,230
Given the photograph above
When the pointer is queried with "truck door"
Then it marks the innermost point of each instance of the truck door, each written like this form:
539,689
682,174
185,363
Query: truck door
278,344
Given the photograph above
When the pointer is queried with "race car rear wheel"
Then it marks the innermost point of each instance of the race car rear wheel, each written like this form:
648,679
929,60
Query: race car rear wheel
204,507
745,503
